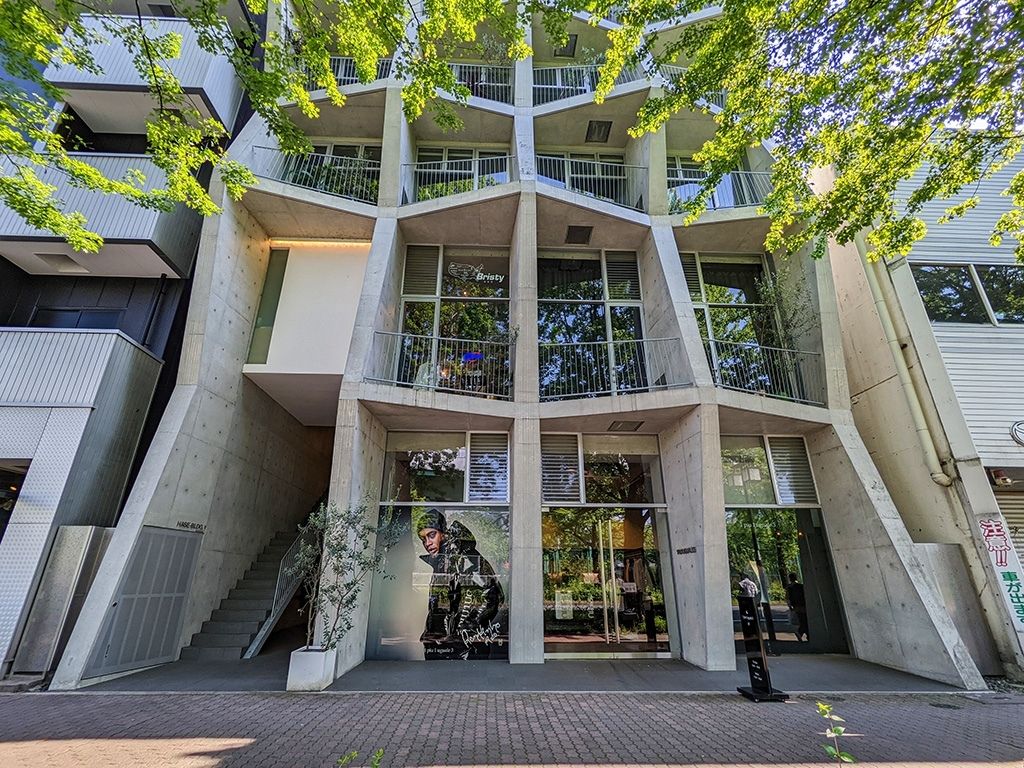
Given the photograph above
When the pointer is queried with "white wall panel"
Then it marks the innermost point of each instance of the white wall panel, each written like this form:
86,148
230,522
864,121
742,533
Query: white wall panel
986,367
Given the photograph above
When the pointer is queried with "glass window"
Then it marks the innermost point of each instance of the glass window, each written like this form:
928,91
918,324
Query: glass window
475,272
425,466
570,323
570,279
731,283
259,347
474,320
1004,286
622,469
745,472
949,294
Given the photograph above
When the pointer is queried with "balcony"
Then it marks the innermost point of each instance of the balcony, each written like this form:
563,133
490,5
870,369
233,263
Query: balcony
597,368
624,185
115,99
786,374
556,83
347,177
138,242
344,70
736,190
670,72
443,178
494,83
431,363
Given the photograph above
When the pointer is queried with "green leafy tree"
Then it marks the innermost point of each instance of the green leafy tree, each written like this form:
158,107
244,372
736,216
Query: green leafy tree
882,93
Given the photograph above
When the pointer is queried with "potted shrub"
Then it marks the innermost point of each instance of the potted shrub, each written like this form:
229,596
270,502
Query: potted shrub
338,551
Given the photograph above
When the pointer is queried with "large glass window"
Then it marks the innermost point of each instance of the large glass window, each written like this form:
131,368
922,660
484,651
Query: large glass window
1004,286
616,469
771,471
589,323
726,290
446,467
950,293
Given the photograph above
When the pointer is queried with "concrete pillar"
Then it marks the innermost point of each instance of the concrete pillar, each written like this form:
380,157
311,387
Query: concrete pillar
682,305
526,601
523,309
894,610
699,558
393,141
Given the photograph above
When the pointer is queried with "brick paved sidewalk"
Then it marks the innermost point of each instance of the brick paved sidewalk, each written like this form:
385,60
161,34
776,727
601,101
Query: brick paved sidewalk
498,729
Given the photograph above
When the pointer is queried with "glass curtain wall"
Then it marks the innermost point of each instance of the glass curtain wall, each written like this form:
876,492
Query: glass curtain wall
444,592
455,320
778,551
590,323
604,586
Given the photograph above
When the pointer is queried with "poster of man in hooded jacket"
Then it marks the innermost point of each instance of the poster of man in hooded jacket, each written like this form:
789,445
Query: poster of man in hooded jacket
443,593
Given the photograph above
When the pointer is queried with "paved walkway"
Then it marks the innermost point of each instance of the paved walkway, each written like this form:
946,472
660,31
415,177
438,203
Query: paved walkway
265,730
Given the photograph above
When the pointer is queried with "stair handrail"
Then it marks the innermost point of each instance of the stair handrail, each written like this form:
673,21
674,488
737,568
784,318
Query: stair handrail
288,583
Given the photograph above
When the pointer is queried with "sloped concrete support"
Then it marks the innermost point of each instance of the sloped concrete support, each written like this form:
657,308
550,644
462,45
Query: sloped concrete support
526,630
894,609
691,458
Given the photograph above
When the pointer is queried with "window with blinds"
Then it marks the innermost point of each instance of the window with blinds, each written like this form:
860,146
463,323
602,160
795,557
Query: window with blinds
692,275
420,277
488,467
560,468
793,479
623,275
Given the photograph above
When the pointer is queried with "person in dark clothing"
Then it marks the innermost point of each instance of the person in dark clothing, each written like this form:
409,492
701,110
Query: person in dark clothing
798,605
464,592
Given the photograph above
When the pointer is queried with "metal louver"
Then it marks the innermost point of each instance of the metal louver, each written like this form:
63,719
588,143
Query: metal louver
488,467
692,275
420,278
560,468
793,477
623,275
1011,504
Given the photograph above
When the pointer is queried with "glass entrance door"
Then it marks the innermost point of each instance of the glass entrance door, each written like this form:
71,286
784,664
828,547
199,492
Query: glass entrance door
603,591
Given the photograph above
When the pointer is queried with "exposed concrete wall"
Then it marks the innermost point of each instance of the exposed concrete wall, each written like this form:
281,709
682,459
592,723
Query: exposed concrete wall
930,512
894,609
691,460
523,301
660,318
225,457
526,612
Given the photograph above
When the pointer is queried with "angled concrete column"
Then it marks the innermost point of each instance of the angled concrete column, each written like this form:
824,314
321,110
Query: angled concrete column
675,283
393,141
523,310
894,609
526,631
699,557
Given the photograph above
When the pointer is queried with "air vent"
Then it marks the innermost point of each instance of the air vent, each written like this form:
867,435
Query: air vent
692,275
560,468
421,270
625,426
792,470
577,235
598,131
569,49
623,275
62,263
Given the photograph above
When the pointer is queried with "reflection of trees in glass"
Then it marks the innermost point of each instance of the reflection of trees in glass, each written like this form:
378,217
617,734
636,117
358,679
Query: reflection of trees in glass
949,294
745,471
766,536
570,279
616,479
434,475
1004,286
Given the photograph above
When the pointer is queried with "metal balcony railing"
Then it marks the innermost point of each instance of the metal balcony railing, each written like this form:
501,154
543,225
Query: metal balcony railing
463,366
485,81
595,368
427,181
344,70
787,374
670,72
554,83
349,177
625,185
736,190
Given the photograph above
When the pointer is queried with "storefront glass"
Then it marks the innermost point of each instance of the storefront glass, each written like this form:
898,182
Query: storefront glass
780,557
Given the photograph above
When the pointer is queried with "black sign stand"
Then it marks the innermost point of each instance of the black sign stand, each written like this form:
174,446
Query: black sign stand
757,659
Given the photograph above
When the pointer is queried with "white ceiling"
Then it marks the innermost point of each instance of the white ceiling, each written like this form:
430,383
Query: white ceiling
113,259
312,398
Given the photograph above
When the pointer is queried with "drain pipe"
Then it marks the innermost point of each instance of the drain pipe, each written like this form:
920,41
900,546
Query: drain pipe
913,397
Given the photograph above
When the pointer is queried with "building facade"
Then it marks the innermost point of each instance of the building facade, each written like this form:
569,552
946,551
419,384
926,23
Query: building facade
934,348
591,426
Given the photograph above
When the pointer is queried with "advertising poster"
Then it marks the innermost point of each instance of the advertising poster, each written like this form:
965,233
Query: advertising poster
444,593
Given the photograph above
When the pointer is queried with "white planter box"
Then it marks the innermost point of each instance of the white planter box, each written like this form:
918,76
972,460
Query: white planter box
311,669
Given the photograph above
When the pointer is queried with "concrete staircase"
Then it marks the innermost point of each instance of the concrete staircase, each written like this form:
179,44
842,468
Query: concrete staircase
233,626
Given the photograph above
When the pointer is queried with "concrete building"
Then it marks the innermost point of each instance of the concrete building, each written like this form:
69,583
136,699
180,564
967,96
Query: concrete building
934,345
594,427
